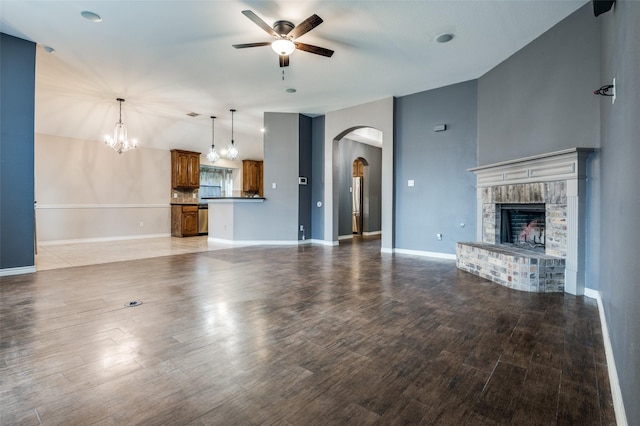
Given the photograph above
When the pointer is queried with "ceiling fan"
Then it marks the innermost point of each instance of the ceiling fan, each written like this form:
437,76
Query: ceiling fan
285,34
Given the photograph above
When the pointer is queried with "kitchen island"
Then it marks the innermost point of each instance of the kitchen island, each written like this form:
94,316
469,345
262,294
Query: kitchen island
234,220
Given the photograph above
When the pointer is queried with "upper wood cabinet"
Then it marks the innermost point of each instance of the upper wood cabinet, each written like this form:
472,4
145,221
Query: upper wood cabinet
185,169
252,177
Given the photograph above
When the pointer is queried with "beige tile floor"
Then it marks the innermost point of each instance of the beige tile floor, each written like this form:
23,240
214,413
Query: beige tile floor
80,254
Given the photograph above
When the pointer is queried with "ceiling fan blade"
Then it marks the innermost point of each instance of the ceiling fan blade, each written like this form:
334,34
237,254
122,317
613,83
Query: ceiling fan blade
259,22
305,26
313,49
243,46
284,60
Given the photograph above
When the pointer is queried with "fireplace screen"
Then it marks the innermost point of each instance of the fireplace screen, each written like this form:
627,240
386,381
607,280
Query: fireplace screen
523,225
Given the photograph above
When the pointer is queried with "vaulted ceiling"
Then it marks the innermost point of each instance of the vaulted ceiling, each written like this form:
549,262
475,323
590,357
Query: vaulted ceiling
170,58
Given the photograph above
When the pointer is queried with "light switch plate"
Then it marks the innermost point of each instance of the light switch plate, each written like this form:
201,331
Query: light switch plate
411,182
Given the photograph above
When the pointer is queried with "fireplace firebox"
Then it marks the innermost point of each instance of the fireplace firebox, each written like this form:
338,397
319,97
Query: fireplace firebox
523,225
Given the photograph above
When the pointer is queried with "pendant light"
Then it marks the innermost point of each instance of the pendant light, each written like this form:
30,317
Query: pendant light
119,141
212,155
232,149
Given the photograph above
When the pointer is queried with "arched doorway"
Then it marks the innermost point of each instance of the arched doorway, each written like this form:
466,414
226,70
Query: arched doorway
357,195
377,115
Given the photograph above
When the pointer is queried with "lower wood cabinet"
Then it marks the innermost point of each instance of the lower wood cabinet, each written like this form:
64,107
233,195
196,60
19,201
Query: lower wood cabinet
184,220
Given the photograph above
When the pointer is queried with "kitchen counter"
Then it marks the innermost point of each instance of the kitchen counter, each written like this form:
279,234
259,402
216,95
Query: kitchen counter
235,220
233,199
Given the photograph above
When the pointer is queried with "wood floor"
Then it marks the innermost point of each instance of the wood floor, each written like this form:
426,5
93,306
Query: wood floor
295,336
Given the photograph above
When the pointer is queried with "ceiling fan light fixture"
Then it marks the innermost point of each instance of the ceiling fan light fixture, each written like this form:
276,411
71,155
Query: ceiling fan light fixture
283,46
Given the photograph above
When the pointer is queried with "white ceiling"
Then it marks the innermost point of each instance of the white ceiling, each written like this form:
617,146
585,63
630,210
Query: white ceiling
168,58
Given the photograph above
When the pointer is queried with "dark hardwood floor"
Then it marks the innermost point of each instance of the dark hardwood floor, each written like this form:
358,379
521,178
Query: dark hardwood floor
295,335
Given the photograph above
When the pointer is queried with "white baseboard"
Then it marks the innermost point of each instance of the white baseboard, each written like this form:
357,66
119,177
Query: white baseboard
101,239
256,242
616,393
345,237
5,272
426,254
368,234
324,243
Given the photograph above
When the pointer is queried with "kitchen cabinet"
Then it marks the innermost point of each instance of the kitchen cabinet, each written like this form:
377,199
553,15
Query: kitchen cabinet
184,220
252,177
185,169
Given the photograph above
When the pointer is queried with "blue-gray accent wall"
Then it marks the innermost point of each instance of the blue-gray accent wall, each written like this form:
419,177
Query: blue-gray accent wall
17,84
541,99
619,236
304,165
444,195
317,180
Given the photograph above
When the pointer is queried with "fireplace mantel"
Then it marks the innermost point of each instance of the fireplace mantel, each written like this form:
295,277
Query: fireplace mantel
556,178
568,164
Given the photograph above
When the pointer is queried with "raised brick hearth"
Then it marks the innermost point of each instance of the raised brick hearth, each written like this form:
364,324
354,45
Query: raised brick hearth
556,180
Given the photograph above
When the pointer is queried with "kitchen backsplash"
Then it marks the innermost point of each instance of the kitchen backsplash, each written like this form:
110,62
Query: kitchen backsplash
184,196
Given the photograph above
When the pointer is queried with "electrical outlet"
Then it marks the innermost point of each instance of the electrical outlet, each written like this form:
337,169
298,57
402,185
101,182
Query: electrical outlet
141,224
302,228
411,182
175,195
273,185
195,195
439,237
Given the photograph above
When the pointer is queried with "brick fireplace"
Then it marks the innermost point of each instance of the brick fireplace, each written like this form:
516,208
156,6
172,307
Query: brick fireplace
548,257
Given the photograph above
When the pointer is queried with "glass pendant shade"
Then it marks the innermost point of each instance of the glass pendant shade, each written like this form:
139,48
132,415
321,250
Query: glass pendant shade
283,46
212,155
232,148
120,142
232,151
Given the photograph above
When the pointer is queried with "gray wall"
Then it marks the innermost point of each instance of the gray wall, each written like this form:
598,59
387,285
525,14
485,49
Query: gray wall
444,194
317,181
349,150
279,213
17,85
304,191
619,232
541,99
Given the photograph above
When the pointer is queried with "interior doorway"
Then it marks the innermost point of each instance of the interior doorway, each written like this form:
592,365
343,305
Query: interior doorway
357,196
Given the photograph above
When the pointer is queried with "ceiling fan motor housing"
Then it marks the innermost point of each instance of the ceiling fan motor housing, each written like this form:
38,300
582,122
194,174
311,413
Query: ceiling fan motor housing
283,27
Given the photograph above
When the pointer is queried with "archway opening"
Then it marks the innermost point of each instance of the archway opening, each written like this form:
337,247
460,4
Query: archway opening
357,175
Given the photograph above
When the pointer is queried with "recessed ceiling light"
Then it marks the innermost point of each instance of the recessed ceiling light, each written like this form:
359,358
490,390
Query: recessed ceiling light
290,90
444,38
91,16
49,49
193,114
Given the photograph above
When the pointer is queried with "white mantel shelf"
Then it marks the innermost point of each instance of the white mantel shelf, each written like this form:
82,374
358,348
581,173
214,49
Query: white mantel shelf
559,165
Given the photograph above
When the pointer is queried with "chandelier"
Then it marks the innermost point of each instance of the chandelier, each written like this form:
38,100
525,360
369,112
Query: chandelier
212,155
232,148
119,141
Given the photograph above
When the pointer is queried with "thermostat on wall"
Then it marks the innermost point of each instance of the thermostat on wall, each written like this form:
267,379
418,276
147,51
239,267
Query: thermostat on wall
440,128
302,181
